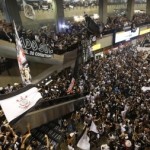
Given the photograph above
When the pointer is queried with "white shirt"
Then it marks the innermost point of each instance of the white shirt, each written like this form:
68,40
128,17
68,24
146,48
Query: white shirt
70,147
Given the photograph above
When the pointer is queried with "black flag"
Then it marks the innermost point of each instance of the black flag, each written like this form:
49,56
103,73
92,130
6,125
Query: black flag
92,27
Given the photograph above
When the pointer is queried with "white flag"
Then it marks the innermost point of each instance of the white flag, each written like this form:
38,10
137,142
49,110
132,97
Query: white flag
144,88
83,143
93,127
16,105
28,11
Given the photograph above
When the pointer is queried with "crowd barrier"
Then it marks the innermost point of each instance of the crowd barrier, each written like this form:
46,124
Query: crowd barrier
37,118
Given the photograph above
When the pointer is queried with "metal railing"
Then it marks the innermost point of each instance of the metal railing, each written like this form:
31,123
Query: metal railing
44,103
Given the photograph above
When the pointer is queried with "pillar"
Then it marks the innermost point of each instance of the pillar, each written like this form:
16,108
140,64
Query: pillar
103,10
13,11
148,7
130,8
59,15
5,12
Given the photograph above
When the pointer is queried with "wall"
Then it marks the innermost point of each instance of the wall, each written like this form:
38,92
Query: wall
105,41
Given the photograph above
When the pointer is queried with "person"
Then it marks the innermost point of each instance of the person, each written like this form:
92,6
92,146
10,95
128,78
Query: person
70,147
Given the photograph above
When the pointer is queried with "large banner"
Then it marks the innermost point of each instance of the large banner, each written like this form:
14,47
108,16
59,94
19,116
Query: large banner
126,35
19,103
22,61
34,48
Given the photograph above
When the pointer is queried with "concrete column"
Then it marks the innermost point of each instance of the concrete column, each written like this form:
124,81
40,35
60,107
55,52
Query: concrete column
148,7
13,11
59,14
103,10
130,8
5,12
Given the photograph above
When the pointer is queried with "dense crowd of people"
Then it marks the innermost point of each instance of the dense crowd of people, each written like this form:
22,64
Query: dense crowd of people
10,88
73,33
116,103
57,85
12,140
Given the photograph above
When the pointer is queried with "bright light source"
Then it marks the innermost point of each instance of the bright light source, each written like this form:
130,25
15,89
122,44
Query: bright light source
96,47
64,26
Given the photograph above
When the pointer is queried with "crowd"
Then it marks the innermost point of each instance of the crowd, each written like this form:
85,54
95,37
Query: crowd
67,40
121,107
10,88
12,140
57,85
141,18
61,42
80,4
116,103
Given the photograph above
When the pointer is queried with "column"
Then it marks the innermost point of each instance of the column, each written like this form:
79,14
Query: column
130,8
148,7
103,10
59,15
13,11
5,12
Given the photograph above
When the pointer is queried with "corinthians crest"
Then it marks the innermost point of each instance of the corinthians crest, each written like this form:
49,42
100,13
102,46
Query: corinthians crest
24,103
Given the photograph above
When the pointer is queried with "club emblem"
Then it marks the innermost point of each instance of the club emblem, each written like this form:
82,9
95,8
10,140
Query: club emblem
24,103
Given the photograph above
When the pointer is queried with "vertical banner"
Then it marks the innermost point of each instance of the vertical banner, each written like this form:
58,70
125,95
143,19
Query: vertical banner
22,61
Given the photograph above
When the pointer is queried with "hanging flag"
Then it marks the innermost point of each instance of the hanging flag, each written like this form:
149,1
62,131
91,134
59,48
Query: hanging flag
17,103
93,127
92,27
70,89
83,143
28,11
22,61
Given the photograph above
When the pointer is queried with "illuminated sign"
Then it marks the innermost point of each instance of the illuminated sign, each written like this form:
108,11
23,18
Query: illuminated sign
144,31
125,36
96,47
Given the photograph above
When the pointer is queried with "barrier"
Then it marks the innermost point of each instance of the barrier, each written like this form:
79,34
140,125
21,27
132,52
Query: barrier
42,116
